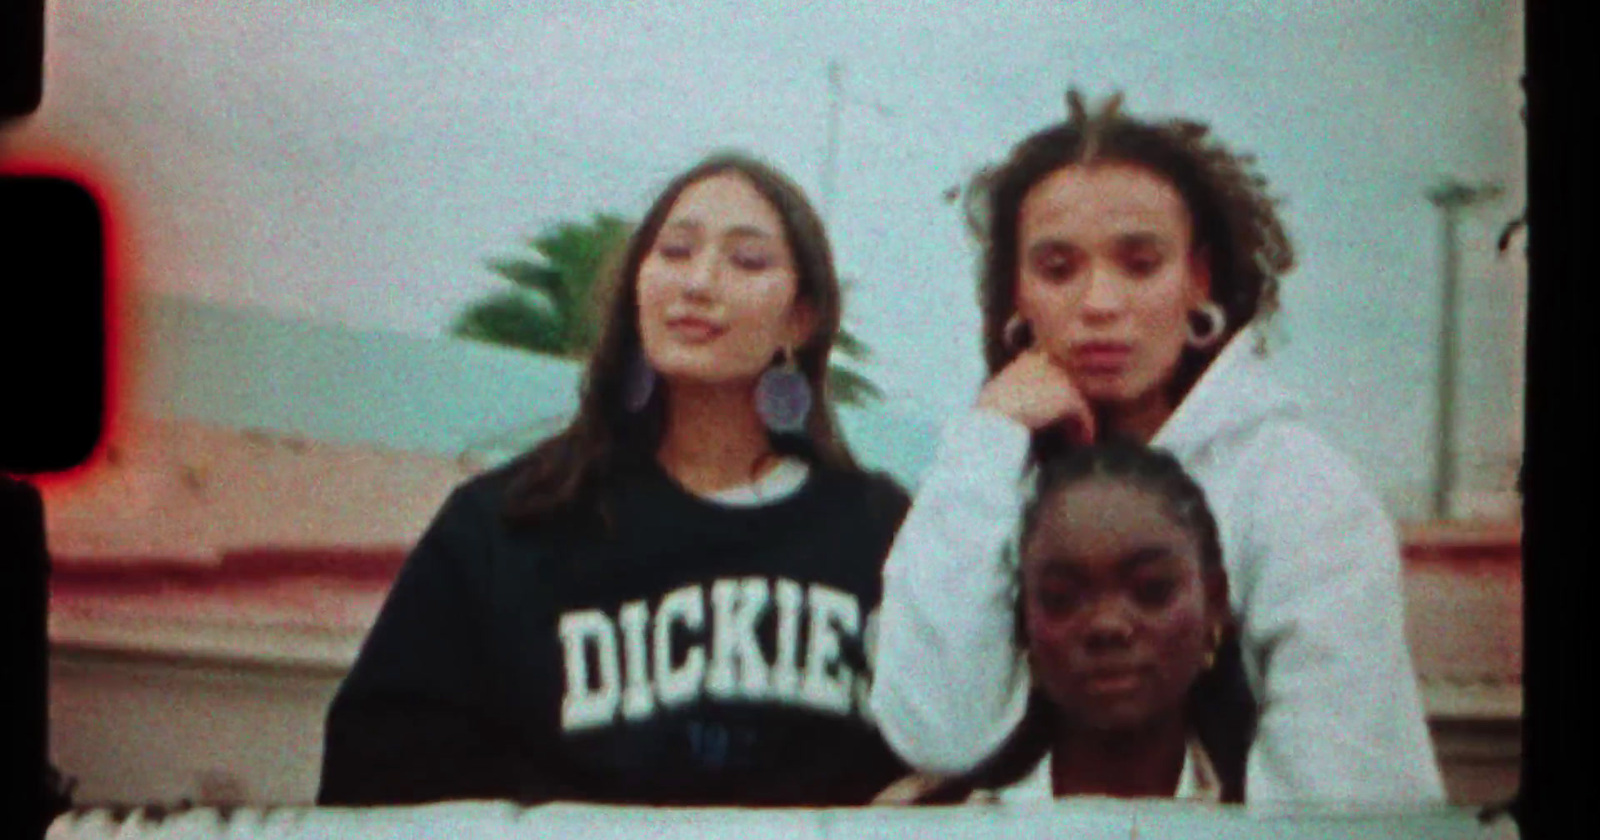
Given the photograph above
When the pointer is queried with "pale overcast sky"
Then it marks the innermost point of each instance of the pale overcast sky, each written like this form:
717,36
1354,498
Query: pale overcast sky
357,162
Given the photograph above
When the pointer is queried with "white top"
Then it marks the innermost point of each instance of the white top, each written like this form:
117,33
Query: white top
1314,573
783,480
1197,782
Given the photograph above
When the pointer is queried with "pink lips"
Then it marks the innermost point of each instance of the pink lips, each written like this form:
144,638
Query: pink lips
1101,356
1113,681
694,329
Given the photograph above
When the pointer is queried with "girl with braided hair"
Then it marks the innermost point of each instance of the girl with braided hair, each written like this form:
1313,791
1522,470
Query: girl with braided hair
1122,608
1128,266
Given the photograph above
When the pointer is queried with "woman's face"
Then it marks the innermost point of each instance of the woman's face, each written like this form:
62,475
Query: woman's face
717,289
1107,277
1117,610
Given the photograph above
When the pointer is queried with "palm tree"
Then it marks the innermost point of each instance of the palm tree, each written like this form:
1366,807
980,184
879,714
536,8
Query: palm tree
550,308
846,386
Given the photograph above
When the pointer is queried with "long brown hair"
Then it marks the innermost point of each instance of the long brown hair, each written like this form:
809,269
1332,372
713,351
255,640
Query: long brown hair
561,477
1235,221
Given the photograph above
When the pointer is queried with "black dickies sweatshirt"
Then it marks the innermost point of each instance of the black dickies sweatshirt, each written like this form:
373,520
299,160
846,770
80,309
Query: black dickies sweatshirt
695,654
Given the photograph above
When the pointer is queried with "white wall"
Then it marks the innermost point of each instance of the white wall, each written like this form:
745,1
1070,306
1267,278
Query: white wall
1491,361
136,731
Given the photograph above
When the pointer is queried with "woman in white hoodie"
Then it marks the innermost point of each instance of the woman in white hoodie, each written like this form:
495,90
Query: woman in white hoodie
1126,268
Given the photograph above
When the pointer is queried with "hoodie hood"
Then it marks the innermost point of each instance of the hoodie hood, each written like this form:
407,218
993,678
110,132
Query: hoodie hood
1235,395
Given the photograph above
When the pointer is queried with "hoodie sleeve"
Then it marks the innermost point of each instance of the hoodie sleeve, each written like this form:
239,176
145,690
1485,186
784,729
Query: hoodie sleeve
1323,621
414,720
950,684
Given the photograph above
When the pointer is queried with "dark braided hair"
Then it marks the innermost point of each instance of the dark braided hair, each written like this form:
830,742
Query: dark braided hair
1221,709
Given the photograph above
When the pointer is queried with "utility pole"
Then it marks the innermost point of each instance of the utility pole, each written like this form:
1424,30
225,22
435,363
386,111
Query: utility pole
1450,197
830,159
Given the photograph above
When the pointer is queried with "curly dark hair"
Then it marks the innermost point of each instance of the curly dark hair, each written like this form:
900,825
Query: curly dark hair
1235,221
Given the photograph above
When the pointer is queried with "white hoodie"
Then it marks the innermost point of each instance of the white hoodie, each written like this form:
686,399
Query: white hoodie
1314,575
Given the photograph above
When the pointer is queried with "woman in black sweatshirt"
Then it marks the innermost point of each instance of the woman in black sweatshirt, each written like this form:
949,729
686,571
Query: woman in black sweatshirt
670,601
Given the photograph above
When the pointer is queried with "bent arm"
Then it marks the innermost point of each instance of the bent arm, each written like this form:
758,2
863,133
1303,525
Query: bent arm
950,684
1324,618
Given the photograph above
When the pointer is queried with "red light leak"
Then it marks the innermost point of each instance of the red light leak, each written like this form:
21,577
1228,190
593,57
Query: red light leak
117,256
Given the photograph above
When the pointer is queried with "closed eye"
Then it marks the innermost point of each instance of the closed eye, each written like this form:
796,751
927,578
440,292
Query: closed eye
1142,265
751,261
1054,260
1141,255
674,252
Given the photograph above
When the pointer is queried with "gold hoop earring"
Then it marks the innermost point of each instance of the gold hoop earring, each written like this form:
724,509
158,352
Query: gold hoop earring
1216,644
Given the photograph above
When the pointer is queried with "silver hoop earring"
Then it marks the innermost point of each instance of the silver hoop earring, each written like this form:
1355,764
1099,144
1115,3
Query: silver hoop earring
783,396
638,384
1216,321
1017,335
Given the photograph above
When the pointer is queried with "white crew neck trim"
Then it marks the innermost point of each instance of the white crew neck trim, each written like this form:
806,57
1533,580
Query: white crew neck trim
780,482
1196,782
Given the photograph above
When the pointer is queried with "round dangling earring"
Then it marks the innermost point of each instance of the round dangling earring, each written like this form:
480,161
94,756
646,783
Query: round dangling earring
638,383
1017,334
1215,322
1216,644
783,396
